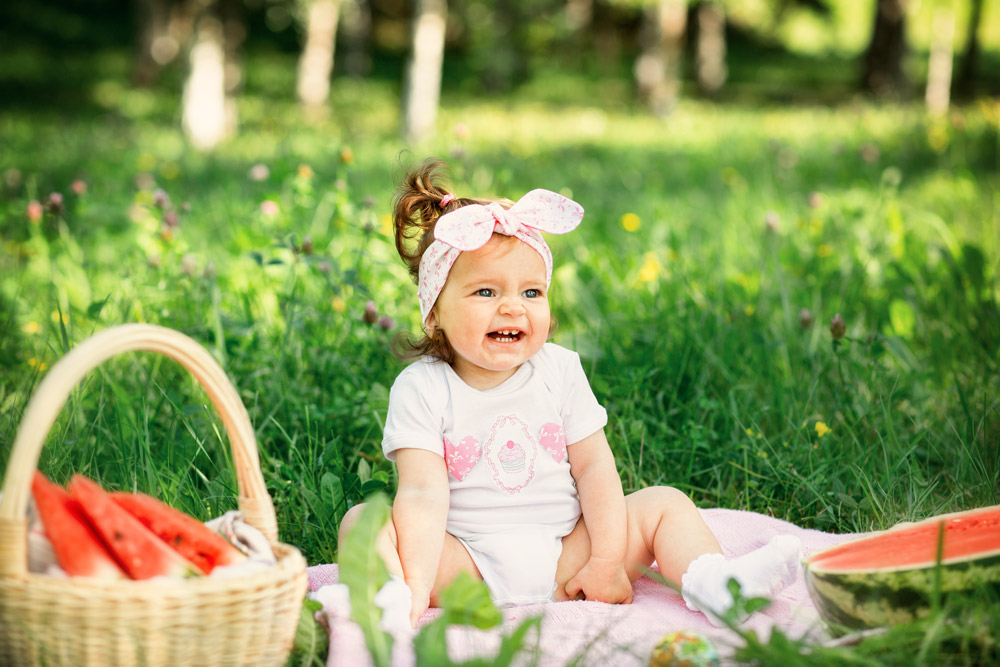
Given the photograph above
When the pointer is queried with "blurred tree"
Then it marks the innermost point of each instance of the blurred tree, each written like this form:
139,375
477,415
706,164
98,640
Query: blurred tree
579,14
658,67
937,95
215,72
883,62
422,84
162,28
316,59
969,64
710,47
356,28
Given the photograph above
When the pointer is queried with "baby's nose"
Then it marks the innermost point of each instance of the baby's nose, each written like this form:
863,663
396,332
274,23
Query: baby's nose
511,305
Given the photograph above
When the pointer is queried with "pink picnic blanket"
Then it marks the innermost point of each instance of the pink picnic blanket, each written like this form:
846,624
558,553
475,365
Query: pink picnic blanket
604,634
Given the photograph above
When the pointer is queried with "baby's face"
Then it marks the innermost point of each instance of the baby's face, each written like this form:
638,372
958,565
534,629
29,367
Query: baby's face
494,309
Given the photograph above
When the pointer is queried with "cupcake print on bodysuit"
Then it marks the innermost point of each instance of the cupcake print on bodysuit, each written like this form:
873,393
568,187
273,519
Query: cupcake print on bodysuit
512,457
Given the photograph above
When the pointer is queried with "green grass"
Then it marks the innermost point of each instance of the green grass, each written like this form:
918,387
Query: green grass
689,325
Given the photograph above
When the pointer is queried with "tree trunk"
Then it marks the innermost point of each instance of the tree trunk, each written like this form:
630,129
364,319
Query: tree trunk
710,58
883,71
316,59
658,68
423,71
579,14
938,93
965,81
234,33
356,33
204,115
153,45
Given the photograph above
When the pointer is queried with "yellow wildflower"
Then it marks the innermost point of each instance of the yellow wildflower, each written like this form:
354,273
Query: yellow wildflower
824,250
630,222
305,172
31,328
338,304
821,429
651,268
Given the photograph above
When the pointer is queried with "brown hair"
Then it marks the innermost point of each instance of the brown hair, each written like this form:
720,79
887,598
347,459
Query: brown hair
416,209
415,212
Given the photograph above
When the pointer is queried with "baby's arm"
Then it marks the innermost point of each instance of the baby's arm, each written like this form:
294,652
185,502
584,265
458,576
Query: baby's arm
419,514
602,501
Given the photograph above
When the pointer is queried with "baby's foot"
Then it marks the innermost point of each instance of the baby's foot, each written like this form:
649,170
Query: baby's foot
760,573
767,570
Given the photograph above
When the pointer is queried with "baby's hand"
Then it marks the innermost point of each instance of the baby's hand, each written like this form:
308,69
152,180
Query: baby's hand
601,580
421,601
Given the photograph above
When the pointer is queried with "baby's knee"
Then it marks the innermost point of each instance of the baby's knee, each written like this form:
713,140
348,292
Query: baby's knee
350,518
664,498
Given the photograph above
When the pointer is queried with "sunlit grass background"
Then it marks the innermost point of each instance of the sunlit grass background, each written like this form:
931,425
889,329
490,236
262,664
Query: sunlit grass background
717,246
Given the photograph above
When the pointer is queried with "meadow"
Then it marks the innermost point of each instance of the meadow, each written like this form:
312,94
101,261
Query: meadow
787,308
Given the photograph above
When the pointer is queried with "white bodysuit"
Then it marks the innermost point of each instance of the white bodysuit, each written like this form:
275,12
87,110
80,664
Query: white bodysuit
512,497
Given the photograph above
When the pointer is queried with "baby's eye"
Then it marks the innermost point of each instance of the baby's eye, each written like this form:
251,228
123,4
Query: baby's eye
532,293
485,291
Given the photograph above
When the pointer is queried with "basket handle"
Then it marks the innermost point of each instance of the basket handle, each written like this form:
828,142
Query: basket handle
55,388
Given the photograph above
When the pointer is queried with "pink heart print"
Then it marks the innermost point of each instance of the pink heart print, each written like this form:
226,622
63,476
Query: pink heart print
463,457
552,438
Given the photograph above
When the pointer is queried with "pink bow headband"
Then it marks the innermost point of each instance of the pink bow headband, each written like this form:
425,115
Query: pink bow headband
472,226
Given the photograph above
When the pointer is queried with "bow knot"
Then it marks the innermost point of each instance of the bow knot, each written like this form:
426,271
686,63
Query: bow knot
472,226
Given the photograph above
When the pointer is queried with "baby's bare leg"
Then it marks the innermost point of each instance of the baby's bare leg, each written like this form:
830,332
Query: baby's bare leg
454,557
663,525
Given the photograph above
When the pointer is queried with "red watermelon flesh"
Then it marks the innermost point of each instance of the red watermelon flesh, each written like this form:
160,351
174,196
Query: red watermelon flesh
78,548
184,534
973,533
140,552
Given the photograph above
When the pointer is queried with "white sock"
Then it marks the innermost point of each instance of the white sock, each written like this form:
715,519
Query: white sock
760,573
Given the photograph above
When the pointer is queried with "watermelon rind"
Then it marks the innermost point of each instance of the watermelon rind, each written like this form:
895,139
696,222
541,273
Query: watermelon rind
857,598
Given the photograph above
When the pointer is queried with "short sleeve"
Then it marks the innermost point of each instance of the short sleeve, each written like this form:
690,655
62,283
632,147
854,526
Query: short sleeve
416,408
581,413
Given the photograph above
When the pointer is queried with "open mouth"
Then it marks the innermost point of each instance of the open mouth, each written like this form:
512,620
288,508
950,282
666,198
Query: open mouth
506,335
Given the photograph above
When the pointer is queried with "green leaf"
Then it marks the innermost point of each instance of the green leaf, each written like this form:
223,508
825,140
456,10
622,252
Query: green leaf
372,486
95,308
467,601
331,490
513,644
430,646
974,264
901,318
311,643
362,569
364,471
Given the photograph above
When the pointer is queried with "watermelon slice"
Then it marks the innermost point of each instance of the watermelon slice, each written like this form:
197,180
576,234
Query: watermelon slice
888,578
139,551
78,548
184,534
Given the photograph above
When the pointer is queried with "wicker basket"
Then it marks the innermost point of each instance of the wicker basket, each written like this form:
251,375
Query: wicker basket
199,622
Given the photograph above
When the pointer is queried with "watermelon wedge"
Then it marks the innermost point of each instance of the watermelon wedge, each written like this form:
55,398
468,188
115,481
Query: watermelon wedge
889,577
139,551
78,548
184,534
